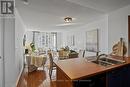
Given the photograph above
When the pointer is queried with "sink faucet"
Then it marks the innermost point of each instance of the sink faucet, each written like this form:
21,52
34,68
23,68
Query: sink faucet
98,57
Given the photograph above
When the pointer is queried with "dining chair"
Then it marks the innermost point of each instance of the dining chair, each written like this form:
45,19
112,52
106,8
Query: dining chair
81,53
63,54
52,65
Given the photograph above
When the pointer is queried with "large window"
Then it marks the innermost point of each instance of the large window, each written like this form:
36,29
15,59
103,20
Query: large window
47,40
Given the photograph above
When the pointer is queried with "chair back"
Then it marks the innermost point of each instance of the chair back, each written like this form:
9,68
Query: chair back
81,53
60,53
51,59
28,60
63,54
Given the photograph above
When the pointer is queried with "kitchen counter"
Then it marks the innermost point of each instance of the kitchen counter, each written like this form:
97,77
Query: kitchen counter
79,68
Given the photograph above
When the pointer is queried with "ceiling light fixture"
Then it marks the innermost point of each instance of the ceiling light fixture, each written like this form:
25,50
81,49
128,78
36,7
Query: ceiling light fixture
68,19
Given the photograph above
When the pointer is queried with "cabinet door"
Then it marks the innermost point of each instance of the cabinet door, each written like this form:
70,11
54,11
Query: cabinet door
117,78
129,28
127,80
62,79
95,81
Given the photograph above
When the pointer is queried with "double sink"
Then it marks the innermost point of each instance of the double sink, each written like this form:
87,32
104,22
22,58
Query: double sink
106,61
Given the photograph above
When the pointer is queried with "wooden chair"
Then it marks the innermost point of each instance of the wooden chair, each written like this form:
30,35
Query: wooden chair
63,54
52,65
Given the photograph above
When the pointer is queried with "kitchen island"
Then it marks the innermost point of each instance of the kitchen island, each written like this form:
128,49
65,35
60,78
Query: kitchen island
79,72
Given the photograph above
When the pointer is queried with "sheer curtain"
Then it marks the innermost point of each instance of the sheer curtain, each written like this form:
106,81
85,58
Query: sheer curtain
45,40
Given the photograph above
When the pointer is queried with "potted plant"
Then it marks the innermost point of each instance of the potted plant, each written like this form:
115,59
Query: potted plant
32,47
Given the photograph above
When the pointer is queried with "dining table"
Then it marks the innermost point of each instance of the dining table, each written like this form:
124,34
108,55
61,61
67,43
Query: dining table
35,61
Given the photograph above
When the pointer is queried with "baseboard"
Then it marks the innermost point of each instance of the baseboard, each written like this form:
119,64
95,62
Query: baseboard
20,74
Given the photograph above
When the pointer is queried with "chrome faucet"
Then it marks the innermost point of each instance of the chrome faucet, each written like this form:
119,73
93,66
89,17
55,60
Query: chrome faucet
98,57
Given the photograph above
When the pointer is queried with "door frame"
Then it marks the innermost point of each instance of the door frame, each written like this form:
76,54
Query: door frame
2,21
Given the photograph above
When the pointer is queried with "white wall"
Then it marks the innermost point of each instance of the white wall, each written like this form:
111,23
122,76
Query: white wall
111,28
29,37
13,51
101,25
79,39
118,26
19,49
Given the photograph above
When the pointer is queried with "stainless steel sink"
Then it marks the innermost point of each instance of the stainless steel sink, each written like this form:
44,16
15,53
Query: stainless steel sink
113,61
105,61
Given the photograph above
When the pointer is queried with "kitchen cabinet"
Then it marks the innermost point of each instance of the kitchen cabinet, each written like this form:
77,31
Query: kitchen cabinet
128,77
94,81
129,28
79,73
119,77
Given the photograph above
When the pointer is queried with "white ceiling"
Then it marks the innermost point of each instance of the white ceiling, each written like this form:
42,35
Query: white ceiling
48,14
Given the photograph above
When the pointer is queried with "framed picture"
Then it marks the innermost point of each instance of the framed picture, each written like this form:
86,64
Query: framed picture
92,44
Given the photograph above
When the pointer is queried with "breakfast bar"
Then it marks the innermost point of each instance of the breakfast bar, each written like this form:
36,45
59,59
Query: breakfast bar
79,72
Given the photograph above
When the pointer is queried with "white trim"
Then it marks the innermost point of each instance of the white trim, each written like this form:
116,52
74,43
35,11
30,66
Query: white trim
19,76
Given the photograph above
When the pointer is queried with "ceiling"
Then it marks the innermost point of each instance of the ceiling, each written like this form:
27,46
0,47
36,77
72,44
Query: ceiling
47,15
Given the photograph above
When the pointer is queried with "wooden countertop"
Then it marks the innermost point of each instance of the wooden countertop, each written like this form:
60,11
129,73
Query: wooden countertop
79,68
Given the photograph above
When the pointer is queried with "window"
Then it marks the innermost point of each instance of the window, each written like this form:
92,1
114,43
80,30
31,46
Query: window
46,40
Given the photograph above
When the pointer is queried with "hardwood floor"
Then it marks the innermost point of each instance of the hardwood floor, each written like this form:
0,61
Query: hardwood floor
39,78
